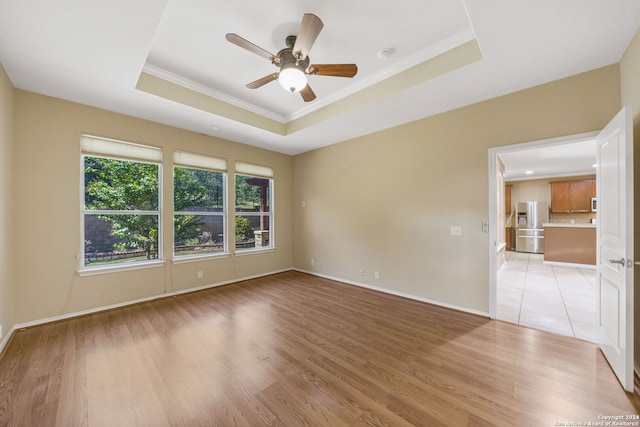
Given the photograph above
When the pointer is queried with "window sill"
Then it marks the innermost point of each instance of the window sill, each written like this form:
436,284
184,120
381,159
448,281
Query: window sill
255,251
196,258
92,271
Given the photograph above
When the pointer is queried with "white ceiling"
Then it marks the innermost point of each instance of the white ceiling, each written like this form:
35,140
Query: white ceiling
96,52
549,161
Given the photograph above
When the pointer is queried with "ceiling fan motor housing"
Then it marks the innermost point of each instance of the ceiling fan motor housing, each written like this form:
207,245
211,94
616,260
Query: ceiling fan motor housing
286,57
286,60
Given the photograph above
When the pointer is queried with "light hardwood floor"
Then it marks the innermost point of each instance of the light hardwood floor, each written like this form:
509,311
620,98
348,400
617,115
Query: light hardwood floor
297,350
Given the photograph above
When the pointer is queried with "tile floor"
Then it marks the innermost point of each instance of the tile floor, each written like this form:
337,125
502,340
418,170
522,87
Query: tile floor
553,298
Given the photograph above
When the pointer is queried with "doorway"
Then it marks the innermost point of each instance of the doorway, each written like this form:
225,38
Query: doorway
614,239
523,289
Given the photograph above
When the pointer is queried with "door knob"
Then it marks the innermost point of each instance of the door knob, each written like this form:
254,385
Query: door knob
617,261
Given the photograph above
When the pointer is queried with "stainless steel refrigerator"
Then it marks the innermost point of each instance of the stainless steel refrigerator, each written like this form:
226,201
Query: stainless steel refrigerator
529,231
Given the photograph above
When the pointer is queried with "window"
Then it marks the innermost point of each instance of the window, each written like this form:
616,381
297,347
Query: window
253,222
120,203
199,205
121,200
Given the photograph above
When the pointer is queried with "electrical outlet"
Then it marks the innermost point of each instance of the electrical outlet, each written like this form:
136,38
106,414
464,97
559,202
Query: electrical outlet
456,230
362,271
304,204
313,261
199,274
376,275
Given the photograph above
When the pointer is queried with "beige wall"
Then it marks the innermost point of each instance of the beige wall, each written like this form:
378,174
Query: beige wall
386,202
7,314
47,212
630,89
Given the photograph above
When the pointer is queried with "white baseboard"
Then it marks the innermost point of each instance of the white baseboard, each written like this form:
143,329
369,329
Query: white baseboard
399,294
226,282
126,303
7,338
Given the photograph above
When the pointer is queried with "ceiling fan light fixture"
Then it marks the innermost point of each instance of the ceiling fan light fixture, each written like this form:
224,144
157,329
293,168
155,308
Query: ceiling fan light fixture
293,61
292,78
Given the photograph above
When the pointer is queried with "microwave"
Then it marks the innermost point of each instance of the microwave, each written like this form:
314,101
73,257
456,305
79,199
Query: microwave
594,204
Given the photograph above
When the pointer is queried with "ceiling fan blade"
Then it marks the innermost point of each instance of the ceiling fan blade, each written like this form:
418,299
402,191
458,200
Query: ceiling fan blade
307,94
246,44
310,27
262,81
335,70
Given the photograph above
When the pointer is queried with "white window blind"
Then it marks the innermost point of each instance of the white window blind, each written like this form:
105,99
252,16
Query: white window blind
254,170
96,146
199,161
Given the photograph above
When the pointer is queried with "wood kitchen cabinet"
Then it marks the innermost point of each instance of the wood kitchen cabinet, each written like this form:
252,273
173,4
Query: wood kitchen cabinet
507,199
572,196
560,192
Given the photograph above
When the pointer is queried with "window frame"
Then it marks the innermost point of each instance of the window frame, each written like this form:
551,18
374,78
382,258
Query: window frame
262,172
107,148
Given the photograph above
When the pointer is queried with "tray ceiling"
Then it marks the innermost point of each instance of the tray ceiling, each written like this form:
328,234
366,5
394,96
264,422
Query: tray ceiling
168,61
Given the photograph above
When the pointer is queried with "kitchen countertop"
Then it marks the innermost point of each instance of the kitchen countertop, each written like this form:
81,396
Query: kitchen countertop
576,225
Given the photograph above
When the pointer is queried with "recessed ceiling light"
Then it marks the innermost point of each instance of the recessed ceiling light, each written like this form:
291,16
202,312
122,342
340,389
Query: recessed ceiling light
529,172
595,165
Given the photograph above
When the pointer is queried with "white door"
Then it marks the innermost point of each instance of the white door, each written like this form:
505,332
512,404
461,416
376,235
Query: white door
615,245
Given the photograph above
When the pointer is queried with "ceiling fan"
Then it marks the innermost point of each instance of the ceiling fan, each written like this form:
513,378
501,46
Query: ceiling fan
293,61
